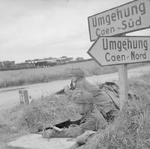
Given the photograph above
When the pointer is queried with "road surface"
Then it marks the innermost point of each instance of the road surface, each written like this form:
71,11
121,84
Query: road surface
9,97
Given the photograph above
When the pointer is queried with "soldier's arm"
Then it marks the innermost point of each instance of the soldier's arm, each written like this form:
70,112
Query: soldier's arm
94,122
89,124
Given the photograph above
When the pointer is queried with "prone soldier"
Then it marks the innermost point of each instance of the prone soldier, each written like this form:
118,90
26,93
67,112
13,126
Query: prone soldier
92,119
95,104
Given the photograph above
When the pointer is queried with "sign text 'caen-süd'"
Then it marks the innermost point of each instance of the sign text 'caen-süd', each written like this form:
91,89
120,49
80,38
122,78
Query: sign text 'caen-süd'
123,19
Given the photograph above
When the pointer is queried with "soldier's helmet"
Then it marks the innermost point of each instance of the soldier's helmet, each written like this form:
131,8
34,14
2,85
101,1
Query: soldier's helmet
77,72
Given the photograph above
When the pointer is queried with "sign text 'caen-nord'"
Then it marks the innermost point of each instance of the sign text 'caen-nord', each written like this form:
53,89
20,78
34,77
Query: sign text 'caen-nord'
126,18
120,50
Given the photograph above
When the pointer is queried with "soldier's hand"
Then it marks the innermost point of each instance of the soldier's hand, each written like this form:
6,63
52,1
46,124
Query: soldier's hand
73,131
82,139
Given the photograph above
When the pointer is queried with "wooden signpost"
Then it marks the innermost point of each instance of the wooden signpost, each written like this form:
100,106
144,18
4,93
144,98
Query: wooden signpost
120,49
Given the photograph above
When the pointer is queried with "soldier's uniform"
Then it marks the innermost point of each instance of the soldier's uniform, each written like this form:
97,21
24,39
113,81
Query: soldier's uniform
105,96
91,120
97,116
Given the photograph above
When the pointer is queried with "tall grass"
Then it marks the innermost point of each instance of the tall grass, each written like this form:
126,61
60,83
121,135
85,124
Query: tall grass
131,129
24,119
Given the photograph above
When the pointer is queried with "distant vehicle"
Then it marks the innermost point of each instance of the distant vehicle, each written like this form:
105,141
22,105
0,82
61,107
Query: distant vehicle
64,59
79,58
45,63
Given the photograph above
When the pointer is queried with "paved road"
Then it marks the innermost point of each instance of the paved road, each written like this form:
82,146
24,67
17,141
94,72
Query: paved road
10,96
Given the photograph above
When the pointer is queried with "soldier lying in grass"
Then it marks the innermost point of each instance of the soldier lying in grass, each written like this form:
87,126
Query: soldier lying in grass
92,119
96,105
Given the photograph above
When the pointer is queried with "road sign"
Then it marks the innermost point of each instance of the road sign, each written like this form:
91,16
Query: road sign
126,18
120,50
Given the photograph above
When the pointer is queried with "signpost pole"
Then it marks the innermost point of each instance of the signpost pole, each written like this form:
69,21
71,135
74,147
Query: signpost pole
123,83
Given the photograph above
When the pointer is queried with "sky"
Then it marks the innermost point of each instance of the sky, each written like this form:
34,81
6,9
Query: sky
31,29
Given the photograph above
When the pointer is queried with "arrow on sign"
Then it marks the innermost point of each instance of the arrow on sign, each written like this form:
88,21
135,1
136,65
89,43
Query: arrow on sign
120,50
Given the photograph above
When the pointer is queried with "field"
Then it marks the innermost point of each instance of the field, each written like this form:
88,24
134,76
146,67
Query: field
130,131
47,74
38,75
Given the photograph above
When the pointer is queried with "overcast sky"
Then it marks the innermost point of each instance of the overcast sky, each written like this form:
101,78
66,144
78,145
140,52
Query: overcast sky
32,29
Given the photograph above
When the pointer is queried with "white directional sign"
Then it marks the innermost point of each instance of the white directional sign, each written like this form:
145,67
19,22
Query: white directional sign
126,18
120,50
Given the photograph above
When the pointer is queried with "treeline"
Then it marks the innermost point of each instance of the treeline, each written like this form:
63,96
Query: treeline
38,63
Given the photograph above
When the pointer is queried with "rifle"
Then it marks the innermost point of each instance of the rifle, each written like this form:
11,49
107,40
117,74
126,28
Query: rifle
67,123
61,125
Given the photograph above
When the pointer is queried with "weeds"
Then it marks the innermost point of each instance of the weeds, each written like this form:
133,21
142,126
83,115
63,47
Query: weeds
131,130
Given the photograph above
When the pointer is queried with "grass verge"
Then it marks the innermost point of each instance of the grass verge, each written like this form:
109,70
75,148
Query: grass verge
131,130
